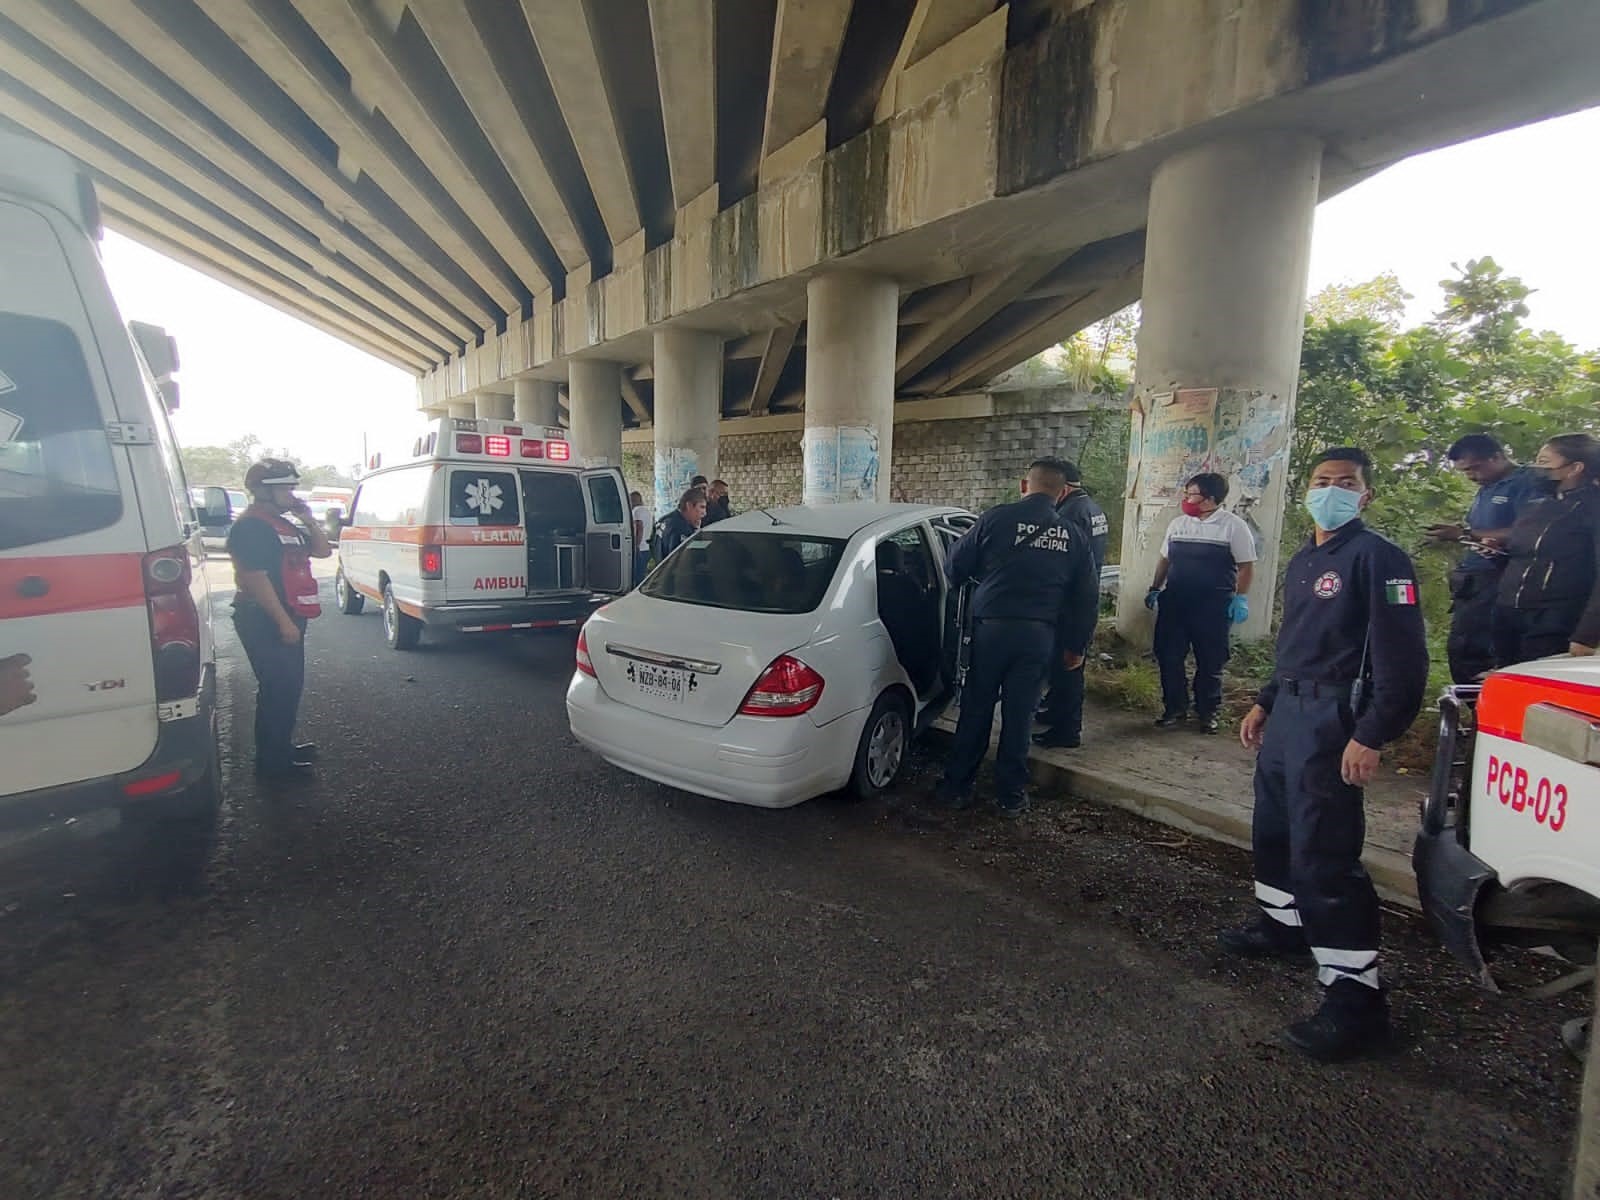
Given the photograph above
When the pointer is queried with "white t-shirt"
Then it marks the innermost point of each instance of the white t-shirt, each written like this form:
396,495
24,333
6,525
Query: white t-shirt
644,519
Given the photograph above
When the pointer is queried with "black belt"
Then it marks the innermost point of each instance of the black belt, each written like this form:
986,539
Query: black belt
1028,620
1316,689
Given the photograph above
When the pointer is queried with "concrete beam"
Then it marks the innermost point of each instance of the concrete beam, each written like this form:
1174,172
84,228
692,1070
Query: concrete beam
565,38
634,401
780,344
805,51
990,293
143,118
219,75
932,24
463,46
269,33
683,35
357,37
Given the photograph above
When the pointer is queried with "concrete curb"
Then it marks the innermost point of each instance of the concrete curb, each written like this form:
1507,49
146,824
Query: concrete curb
1390,869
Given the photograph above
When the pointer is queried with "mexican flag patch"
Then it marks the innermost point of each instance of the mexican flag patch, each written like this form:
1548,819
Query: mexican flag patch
1400,591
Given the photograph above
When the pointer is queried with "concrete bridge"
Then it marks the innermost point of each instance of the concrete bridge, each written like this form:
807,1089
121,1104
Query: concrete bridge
685,215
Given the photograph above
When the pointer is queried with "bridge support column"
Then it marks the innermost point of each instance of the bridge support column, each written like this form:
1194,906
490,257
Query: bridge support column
536,401
595,390
1226,258
491,407
688,410
850,343
465,409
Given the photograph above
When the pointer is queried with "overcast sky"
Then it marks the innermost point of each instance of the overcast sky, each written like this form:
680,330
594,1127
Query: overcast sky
1527,198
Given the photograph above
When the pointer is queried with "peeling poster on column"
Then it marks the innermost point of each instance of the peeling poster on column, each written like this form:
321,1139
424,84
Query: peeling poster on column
841,463
1177,442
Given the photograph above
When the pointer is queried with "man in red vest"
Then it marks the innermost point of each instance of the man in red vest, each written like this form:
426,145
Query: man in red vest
277,595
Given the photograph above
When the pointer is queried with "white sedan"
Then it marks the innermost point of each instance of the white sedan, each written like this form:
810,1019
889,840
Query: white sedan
777,655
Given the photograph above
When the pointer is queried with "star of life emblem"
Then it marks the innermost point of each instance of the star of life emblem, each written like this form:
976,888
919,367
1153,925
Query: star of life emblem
484,496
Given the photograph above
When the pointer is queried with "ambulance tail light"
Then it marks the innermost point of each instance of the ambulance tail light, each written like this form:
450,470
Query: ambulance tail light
532,448
558,451
787,688
469,443
430,562
585,664
174,623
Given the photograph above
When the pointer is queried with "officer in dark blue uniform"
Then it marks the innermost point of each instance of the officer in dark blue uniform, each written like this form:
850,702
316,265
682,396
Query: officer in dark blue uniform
1505,490
1062,709
1037,590
1351,670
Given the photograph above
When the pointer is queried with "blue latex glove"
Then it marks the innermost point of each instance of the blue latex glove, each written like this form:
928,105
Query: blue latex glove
1152,598
1239,609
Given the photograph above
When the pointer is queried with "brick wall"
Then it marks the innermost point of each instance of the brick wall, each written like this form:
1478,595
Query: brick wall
973,462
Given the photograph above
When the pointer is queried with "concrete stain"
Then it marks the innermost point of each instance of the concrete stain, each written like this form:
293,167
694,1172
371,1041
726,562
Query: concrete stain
658,283
1350,36
1047,102
736,248
855,192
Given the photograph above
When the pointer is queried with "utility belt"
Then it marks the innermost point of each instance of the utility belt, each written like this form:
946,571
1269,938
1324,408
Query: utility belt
300,593
1317,689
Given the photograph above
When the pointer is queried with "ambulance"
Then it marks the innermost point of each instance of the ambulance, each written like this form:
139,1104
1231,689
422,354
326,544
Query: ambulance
1509,850
487,526
107,665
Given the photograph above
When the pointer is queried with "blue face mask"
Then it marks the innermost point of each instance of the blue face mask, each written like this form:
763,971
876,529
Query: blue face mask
1333,508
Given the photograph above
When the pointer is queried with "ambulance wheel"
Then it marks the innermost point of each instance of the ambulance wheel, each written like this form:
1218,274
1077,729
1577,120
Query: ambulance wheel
885,742
401,631
350,601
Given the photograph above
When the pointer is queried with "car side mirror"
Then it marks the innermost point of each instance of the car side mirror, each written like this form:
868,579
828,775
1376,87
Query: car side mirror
217,510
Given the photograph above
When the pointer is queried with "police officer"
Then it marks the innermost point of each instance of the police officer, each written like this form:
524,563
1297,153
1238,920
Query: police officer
276,596
1505,491
1352,666
683,522
1062,709
1036,590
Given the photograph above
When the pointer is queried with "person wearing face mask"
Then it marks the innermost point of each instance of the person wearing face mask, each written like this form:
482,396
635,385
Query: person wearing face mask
1200,588
1350,676
276,596
1549,596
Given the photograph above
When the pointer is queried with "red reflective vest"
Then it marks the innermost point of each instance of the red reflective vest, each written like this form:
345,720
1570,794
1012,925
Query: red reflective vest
299,584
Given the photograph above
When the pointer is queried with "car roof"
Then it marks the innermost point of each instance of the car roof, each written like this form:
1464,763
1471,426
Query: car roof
834,520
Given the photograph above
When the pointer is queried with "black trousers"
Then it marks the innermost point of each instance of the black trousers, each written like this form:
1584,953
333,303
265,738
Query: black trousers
1064,703
280,678
1471,643
1524,634
1308,830
1009,661
1195,621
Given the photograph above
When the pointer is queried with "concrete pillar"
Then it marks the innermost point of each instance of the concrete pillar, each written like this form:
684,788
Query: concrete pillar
1226,256
688,410
850,345
536,401
492,407
465,409
594,388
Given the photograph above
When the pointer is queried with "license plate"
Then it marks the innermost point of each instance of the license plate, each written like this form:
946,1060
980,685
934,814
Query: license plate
659,683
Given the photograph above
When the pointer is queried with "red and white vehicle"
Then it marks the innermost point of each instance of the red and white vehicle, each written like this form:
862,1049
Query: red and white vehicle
100,555
488,526
1509,851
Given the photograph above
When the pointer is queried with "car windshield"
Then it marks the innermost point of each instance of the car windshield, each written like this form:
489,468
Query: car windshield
750,571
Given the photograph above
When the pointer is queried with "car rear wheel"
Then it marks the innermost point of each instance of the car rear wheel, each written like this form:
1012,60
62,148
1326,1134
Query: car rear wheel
350,601
402,632
882,750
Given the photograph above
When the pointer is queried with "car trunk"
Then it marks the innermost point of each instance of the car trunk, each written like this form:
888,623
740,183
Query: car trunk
685,661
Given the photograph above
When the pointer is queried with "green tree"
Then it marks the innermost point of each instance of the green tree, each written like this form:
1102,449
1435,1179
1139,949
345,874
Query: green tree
1380,300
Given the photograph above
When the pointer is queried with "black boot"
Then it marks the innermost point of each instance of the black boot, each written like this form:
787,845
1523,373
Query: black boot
1353,1021
1265,938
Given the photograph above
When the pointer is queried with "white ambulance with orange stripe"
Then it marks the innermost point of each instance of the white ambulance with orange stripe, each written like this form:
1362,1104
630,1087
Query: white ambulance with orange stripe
107,671
1509,851
489,526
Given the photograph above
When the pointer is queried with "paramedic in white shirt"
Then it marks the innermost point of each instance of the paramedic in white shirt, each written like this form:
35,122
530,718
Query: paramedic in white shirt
1199,589
643,524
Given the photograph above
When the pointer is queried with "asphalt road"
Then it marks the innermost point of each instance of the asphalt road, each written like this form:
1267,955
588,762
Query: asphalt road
470,960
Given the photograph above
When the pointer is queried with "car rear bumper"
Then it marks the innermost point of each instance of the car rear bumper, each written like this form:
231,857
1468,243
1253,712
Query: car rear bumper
1450,880
184,750
768,762
499,616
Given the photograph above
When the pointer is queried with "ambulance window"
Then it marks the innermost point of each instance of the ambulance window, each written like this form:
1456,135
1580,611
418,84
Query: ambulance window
483,498
606,498
555,504
57,474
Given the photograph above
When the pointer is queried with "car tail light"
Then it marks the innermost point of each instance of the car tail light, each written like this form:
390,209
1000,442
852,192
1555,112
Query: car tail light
786,689
152,784
174,623
532,448
585,663
558,451
430,561
469,443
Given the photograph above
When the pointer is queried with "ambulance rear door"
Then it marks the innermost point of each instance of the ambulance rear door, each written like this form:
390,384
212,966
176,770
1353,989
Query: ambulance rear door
484,551
608,545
